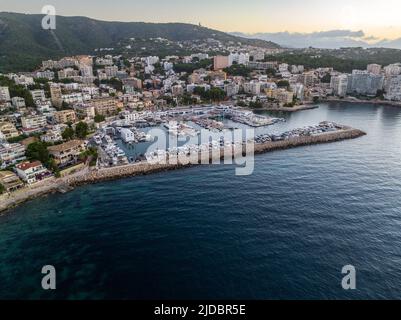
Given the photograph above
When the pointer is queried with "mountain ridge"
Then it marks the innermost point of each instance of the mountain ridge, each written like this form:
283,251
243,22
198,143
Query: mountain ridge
82,35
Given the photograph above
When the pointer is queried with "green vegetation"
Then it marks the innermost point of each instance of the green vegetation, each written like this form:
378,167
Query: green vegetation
38,151
81,130
99,118
2,189
283,84
187,99
214,94
320,61
238,70
68,134
326,78
17,139
35,44
255,104
191,67
90,154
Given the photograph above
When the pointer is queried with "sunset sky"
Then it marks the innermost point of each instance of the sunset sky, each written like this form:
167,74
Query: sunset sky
377,19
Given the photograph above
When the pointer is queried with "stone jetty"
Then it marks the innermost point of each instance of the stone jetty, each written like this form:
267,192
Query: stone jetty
88,176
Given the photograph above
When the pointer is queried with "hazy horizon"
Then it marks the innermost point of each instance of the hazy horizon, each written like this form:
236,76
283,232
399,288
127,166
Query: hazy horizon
254,16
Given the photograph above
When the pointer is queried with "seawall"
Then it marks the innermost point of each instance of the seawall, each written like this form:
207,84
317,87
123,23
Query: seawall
88,176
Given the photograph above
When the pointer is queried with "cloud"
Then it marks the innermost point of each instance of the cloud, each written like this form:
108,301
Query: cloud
324,39
338,34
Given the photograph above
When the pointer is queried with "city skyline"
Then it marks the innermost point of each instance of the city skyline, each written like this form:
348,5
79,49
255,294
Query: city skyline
254,16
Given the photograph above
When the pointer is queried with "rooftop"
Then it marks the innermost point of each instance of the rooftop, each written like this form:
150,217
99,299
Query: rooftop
28,165
65,146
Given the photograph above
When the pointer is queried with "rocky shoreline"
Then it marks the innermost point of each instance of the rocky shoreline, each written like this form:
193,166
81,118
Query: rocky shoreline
88,176
292,109
374,102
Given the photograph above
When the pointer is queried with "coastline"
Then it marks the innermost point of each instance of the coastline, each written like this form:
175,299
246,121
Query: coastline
374,102
92,176
293,109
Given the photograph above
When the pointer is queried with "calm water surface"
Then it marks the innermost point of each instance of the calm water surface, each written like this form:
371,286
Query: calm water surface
284,232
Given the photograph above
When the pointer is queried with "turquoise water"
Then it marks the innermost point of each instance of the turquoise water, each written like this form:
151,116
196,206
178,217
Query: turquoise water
284,232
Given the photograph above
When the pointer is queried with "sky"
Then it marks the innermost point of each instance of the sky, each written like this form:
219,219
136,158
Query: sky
378,19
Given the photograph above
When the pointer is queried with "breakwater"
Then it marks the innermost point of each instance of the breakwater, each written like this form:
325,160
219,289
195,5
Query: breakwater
88,176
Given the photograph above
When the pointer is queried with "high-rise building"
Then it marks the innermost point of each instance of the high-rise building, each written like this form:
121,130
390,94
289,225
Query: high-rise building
393,88
366,83
221,62
56,96
339,84
374,68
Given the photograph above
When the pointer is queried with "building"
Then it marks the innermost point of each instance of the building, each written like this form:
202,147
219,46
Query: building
238,58
30,123
10,181
18,102
393,90
8,130
374,68
11,153
38,95
221,62
177,90
47,74
392,70
231,89
84,111
366,83
339,84
65,116
105,106
51,136
67,153
4,94
56,96
32,172
111,71
86,70
127,135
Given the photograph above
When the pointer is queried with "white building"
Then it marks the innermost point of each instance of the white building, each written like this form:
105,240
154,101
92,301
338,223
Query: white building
38,95
127,135
33,122
339,84
4,94
239,58
111,71
18,102
393,88
32,172
11,153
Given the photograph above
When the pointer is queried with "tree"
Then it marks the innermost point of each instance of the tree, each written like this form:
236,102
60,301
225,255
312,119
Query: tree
81,130
238,70
283,84
271,72
326,78
38,151
68,133
99,118
2,189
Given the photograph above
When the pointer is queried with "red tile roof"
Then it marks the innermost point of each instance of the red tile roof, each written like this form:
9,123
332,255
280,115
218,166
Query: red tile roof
28,165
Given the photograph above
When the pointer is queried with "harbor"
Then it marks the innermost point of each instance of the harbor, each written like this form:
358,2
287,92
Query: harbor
298,138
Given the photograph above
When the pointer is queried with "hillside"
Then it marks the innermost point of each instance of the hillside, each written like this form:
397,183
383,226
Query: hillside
23,43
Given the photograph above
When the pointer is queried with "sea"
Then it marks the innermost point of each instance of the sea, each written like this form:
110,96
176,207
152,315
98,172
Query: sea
284,232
